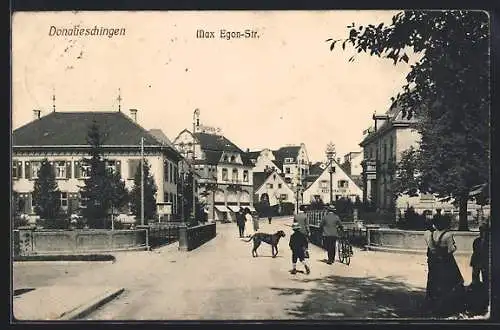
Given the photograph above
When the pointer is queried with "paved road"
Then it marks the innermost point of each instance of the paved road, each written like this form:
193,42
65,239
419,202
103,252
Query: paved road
221,280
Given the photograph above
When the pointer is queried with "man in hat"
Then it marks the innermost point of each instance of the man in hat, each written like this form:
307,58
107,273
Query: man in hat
330,229
298,244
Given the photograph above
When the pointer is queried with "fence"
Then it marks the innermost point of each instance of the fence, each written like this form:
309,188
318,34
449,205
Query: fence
192,237
46,242
163,233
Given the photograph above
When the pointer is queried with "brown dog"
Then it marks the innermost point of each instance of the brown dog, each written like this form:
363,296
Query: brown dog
272,239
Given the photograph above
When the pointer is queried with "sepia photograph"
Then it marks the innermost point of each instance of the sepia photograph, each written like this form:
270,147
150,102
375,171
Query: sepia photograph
250,165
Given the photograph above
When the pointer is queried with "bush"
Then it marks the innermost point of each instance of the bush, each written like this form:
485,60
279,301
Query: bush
413,221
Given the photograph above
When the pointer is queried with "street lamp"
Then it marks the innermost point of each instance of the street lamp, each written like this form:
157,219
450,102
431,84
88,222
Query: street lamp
330,155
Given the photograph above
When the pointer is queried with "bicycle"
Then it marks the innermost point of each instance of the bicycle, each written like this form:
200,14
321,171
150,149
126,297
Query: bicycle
345,249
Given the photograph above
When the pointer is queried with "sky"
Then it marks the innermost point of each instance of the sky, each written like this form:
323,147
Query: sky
283,88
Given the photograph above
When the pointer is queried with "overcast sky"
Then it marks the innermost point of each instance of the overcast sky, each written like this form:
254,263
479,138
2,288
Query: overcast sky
285,87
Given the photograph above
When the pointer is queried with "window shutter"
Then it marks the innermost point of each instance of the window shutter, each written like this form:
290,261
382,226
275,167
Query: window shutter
78,171
68,169
118,167
27,170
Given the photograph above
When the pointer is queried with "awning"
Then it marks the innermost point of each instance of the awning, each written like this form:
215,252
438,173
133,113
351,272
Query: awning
233,208
476,190
221,208
252,209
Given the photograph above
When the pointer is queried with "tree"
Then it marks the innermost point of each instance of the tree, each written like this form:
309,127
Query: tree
447,90
103,189
407,177
150,190
46,194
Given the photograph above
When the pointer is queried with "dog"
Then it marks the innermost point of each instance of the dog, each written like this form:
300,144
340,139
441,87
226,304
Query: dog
272,239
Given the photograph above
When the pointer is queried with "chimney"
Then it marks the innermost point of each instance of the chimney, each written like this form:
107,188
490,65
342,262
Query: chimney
36,114
133,114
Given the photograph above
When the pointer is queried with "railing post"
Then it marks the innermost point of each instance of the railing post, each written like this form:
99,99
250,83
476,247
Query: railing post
183,239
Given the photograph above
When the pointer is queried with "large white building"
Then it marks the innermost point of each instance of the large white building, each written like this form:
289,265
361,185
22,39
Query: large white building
225,171
383,145
60,137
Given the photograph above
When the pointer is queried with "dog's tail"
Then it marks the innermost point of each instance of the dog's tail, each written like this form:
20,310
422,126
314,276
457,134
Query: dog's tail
251,237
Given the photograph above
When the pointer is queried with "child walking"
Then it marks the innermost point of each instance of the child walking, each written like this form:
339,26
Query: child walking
298,244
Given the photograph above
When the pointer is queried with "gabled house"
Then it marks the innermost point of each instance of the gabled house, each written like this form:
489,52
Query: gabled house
342,184
225,172
61,138
275,187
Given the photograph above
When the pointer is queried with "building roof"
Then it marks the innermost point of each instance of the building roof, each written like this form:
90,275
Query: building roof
161,137
287,152
216,142
394,117
254,154
259,178
316,169
71,128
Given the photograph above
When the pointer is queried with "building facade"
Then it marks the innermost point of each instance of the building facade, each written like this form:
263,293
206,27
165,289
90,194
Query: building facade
275,187
60,137
318,186
383,145
225,171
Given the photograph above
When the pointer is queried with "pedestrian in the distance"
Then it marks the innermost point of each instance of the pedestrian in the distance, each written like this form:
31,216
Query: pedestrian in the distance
329,227
240,221
298,244
252,219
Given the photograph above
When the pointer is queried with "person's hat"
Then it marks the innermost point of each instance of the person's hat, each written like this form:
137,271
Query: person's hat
330,208
295,226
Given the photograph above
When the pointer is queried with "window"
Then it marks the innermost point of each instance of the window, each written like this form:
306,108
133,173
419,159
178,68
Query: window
288,160
233,159
85,171
245,175
235,174
225,158
176,174
270,186
343,184
287,170
283,197
16,169
279,185
35,169
64,199
324,184
60,170
166,173
111,165
134,167
224,174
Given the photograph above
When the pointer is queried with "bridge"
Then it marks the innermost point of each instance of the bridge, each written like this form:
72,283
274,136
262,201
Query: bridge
220,280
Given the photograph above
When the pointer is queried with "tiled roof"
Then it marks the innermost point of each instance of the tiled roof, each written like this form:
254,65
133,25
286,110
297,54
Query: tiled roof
212,157
259,178
70,128
215,142
285,152
161,137
315,169
253,154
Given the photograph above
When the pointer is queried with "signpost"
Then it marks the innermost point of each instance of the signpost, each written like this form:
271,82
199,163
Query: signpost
163,209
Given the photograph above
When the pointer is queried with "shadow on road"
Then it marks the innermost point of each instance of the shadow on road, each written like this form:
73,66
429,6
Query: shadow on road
349,297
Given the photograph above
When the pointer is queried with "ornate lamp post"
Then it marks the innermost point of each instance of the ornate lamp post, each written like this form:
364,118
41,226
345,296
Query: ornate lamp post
330,155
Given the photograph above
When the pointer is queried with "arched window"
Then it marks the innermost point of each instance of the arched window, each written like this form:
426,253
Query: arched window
235,174
224,174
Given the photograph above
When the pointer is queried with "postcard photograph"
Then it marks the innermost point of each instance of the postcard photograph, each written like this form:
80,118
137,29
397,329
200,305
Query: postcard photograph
250,165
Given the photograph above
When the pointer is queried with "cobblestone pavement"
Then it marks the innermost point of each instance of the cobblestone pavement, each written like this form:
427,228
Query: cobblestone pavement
221,280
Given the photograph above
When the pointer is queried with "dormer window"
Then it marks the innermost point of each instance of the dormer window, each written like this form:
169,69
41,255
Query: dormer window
233,158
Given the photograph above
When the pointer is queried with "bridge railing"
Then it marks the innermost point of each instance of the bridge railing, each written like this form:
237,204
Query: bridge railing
192,237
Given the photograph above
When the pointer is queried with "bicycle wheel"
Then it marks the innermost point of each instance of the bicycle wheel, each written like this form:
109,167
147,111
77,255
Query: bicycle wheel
347,254
341,252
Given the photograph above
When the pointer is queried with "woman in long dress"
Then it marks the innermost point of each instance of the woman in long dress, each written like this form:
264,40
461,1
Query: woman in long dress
444,281
255,220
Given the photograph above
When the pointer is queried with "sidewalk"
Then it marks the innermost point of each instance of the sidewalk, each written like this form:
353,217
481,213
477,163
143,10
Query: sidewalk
61,302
